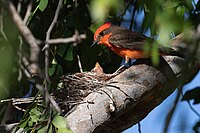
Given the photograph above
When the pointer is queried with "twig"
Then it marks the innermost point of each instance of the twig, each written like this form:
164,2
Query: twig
28,12
66,40
27,70
171,112
139,127
20,57
48,33
79,63
28,36
124,12
196,112
47,79
133,14
1,24
19,6
48,96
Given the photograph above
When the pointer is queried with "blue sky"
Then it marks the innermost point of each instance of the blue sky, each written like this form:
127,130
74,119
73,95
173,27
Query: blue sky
184,118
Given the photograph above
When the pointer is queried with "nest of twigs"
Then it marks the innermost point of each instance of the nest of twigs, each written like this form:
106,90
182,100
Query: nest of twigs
75,87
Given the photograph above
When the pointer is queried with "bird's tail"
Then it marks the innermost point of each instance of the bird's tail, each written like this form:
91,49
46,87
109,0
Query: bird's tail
170,51
175,53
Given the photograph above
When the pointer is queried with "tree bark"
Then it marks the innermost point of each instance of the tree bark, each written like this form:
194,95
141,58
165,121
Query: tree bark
129,97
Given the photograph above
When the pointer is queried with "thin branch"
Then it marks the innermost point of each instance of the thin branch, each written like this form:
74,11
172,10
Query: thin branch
19,6
28,36
48,96
133,14
28,11
20,58
27,68
126,8
47,79
48,37
74,38
171,112
139,128
79,64
1,24
196,112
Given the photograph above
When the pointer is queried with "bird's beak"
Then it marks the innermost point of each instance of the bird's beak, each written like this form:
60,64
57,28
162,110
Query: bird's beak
94,43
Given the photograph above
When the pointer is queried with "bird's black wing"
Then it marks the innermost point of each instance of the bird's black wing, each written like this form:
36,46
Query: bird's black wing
124,38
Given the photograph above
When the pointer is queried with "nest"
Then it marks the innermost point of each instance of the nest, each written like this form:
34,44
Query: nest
75,87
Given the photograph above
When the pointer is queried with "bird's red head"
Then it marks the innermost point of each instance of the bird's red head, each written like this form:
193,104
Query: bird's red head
102,34
100,29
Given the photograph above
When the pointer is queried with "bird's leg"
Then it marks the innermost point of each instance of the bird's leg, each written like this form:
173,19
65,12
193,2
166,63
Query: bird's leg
122,66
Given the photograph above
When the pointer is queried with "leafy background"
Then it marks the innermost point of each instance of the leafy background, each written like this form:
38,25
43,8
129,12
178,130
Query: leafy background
159,19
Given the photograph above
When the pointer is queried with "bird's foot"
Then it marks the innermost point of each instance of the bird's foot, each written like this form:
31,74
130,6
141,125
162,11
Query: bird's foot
119,70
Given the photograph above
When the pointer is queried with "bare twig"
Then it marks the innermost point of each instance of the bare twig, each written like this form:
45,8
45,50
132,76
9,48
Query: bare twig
20,57
52,101
66,40
79,64
28,12
133,14
47,79
139,128
196,112
171,112
1,24
28,36
19,6
127,5
48,37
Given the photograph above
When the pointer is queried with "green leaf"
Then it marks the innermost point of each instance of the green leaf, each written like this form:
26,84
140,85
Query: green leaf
69,55
193,94
59,71
42,130
64,130
35,114
180,11
155,56
101,8
61,50
59,122
24,123
52,69
65,2
30,123
43,4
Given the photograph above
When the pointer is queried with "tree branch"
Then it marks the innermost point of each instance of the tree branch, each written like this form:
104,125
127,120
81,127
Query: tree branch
47,79
28,36
74,38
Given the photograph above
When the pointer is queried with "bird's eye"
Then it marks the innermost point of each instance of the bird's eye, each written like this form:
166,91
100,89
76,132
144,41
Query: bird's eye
101,33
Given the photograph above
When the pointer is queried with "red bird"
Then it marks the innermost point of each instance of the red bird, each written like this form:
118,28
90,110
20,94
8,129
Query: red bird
126,43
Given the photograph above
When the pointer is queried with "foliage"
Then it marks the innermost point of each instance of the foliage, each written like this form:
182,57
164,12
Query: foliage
38,119
163,19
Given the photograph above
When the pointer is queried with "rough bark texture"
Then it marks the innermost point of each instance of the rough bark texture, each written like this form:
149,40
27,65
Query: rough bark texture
129,97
